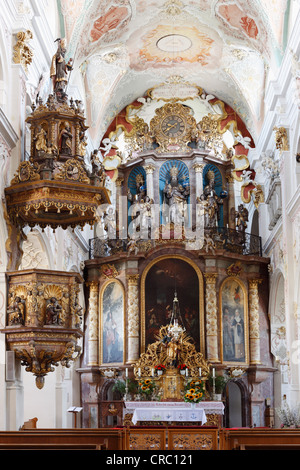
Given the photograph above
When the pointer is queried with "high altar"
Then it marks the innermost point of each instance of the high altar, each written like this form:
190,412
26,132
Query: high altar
166,195
176,224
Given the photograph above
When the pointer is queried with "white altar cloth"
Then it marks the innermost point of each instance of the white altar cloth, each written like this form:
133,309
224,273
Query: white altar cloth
168,414
171,411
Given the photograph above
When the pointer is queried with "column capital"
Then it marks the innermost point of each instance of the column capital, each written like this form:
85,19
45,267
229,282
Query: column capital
149,168
133,279
198,167
210,277
119,181
93,285
254,283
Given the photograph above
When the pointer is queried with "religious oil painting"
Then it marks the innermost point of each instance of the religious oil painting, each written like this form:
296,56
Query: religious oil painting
112,306
164,279
233,319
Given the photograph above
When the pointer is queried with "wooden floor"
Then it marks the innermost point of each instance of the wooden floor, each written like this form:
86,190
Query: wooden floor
155,438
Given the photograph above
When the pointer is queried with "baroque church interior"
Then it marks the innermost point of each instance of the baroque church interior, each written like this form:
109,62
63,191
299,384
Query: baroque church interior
150,216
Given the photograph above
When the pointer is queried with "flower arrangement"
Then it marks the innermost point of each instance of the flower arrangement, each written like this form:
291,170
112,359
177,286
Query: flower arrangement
160,367
290,418
194,391
146,386
182,366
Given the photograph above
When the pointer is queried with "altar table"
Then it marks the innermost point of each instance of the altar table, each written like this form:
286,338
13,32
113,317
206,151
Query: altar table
171,411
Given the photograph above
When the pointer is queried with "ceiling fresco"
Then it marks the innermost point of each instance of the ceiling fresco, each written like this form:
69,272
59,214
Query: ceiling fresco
126,47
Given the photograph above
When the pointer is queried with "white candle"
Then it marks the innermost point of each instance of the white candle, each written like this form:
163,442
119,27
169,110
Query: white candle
199,371
126,372
139,371
152,372
186,372
213,372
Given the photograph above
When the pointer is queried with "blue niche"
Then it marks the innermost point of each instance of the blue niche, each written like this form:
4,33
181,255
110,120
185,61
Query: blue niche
165,177
136,186
218,188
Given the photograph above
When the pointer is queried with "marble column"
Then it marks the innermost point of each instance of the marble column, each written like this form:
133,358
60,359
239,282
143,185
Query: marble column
231,201
254,334
149,168
198,167
121,213
133,318
93,324
211,317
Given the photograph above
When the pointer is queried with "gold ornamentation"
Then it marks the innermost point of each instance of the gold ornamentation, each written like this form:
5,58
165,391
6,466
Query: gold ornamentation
36,299
281,139
72,170
109,271
156,353
234,269
22,53
173,126
26,172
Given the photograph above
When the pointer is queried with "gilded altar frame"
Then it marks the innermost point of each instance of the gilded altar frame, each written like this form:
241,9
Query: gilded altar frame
201,298
231,279
101,322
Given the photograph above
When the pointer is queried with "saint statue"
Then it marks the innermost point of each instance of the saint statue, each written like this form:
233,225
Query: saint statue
16,312
65,139
176,195
53,311
59,68
241,223
211,202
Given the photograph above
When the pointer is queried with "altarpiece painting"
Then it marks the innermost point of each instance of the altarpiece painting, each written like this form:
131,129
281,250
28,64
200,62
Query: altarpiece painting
234,321
112,323
164,278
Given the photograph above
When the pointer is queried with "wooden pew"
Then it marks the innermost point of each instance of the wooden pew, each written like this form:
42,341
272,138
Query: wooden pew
104,438
145,438
190,438
260,439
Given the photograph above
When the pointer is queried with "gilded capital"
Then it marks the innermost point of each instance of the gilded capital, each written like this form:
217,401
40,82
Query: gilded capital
198,167
253,283
149,169
133,279
210,277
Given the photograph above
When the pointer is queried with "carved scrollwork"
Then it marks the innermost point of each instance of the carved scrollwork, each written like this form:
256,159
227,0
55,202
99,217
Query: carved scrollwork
26,172
72,170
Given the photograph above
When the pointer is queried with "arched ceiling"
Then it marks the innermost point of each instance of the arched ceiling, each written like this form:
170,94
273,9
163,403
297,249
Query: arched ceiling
125,47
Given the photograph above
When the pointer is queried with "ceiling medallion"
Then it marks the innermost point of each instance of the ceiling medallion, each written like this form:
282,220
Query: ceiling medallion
173,127
174,43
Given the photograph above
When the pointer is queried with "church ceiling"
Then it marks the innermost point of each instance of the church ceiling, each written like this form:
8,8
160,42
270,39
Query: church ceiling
125,47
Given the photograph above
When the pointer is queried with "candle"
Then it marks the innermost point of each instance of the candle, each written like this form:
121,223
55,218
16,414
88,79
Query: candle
186,372
214,372
199,371
139,371
152,372
126,372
